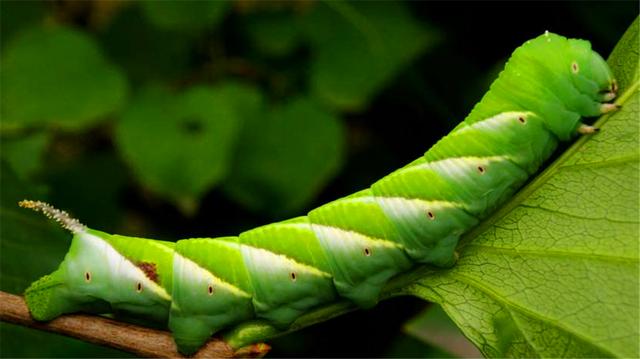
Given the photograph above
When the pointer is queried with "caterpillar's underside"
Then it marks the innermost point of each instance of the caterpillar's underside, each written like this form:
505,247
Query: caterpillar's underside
350,247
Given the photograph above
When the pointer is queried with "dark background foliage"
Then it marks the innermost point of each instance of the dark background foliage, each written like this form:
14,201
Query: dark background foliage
186,119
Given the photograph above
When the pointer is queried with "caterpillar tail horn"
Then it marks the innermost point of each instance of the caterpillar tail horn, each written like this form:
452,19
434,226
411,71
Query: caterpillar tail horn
49,297
63,218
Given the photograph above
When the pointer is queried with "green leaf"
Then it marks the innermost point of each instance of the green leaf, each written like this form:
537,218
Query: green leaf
273,33
285,157
57,75
185,15
359,47
554,273
179,145
24,153
15,15
624,58
145,52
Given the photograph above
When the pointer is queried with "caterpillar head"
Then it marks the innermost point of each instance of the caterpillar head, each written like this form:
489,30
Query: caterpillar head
579,83
601,74
591,73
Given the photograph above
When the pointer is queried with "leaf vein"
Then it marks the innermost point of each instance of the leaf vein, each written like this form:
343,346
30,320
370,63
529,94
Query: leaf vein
528,312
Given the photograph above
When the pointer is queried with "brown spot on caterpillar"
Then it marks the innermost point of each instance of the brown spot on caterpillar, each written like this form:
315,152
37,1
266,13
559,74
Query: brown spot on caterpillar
574,67
293,276
431,215
87,277
149,270
210,289
521,119
139,287
367,252
614,86
481,170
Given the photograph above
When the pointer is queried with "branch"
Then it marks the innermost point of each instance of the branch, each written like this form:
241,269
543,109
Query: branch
138,340
148,342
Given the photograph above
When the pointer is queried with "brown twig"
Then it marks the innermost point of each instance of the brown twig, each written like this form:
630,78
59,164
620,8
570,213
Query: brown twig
138,340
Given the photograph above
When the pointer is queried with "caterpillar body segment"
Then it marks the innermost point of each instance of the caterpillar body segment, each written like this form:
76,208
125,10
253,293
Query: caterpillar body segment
207,297
351,247
521,137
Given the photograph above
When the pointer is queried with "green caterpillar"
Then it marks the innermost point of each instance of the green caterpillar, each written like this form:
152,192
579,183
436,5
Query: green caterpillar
351,247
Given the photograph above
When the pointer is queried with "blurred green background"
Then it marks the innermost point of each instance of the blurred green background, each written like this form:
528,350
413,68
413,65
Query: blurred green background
172,120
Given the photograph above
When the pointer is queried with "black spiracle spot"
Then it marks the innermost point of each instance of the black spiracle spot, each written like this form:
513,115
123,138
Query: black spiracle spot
431,215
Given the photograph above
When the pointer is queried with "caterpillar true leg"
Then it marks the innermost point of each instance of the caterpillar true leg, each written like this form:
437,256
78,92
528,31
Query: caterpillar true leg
586,129
609,107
